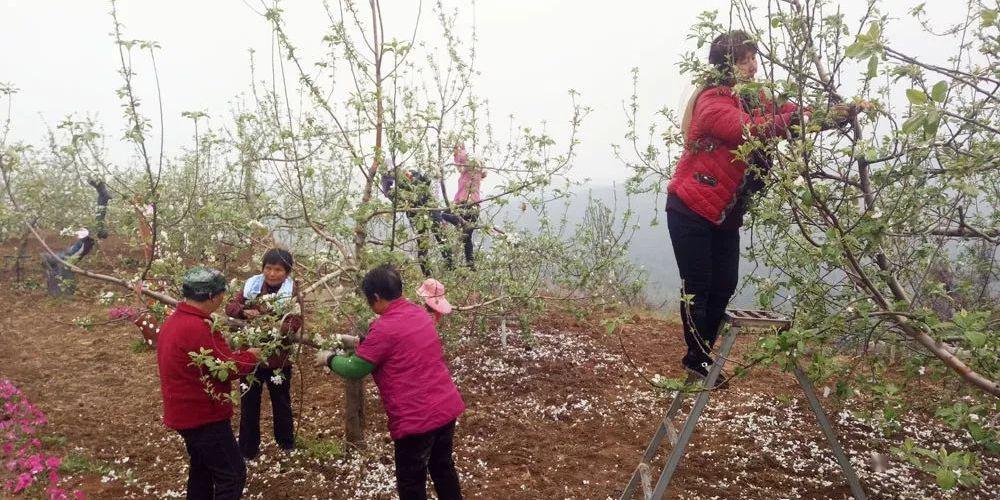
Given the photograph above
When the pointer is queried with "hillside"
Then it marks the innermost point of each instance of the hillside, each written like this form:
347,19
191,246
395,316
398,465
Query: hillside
650,247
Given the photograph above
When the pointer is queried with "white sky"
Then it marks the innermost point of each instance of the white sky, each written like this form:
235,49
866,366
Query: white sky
61,57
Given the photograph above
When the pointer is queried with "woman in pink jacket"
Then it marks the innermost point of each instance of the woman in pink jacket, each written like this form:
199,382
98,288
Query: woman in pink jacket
466,211
403,354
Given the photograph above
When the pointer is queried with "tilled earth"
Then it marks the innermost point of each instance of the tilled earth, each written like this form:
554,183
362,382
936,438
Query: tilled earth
558,414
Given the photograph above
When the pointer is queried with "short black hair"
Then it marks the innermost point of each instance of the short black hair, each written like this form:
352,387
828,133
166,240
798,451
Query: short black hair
382,282
729,48
278,257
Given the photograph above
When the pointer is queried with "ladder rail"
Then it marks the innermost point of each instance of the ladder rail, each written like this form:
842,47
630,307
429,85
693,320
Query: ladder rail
831,437
738,319
692,420
663,429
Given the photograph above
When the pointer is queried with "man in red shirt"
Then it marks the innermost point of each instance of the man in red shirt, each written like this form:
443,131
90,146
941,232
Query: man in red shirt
195,403
403,353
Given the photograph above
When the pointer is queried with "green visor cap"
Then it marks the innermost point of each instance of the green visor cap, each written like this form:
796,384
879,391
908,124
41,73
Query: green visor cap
204,281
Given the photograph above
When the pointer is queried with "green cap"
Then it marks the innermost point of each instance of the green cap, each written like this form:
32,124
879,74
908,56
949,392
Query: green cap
202,283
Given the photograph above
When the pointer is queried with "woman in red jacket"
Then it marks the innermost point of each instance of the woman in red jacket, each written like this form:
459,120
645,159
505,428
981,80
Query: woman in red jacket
196,406
710,189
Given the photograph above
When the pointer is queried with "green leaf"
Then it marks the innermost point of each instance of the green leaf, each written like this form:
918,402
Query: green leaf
856,50
872,67
976,339
977,432
610,326
931,123
946,478
916,96
670,384
807,198
940,91
874,31
915,122
989,17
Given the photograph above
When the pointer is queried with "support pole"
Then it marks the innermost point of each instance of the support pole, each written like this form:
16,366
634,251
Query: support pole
831,436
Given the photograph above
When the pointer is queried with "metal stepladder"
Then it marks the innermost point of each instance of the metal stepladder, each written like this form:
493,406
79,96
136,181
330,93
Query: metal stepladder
738,319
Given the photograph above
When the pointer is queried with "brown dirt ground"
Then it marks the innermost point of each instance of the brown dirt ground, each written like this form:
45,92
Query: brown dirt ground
103,399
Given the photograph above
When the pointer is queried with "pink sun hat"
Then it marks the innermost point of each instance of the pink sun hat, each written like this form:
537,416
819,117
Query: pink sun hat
432,291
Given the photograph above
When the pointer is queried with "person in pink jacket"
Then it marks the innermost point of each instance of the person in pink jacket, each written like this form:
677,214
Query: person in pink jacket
465,213
403,354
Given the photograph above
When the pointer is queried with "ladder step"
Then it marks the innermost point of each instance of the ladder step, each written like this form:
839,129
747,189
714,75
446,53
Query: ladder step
671,433
647,480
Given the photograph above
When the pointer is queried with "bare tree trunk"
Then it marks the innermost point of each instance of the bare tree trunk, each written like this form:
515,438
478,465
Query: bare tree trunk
354,393
22,247
354,412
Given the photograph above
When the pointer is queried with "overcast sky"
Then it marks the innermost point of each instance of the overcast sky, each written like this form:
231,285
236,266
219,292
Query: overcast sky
61,57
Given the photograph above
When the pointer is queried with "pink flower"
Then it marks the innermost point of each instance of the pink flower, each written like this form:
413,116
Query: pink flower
20,420
35,464
122,312
23,481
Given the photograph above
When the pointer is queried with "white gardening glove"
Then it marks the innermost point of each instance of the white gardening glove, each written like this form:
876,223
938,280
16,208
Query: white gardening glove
322,356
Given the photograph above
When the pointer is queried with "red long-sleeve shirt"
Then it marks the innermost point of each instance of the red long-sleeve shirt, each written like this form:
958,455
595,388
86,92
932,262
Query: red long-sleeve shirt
236,308
186,404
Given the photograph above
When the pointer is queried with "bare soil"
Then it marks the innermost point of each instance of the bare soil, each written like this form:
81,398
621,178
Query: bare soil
557,414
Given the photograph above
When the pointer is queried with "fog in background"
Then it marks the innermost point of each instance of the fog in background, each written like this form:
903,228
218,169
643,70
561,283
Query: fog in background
529,53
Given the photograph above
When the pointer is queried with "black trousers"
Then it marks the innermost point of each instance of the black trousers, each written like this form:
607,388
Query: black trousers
425,224
708,260
422,453
217,470
465,217
281,412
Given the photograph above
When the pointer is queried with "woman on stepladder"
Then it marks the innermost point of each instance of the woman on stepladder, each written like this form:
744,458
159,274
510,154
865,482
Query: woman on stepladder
466,204
711,187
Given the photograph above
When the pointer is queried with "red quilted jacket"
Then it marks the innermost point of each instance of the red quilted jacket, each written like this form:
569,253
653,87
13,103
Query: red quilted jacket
186,405
709,177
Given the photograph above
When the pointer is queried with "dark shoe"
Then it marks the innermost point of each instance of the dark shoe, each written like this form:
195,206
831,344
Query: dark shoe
700,370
